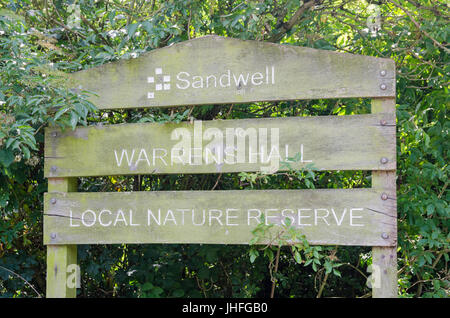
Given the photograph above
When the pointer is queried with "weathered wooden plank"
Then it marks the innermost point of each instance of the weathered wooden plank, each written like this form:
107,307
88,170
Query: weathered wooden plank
60,257
213,69
384,259
327,142
327,216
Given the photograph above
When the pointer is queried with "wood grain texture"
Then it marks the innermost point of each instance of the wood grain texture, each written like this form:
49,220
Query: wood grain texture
217,217
213,69
329,142
59,257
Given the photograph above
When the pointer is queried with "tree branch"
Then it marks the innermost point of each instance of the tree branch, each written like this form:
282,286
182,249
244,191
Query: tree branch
286,27
105,40
418,26
26,282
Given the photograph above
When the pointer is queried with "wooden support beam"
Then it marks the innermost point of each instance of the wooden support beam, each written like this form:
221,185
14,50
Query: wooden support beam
60,257
384,259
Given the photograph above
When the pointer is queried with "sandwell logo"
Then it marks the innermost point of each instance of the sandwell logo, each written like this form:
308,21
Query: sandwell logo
228,78
160,82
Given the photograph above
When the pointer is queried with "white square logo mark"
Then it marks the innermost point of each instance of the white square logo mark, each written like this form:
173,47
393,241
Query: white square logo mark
161,82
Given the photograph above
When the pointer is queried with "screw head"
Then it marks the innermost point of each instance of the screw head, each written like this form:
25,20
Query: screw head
383,73
383,122
384,160
53,200
384,196
52,236
384,235
383,87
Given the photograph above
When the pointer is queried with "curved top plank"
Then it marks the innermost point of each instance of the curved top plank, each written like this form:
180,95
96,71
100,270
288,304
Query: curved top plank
213,70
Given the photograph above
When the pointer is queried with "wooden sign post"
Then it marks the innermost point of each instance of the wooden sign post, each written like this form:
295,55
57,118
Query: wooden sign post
213,70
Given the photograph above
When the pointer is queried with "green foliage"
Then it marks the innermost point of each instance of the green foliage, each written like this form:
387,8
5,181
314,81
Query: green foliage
287,235
41,41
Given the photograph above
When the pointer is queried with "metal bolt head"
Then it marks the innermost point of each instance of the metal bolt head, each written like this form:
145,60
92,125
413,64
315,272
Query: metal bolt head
383,122
383,73
54,134
384,196
53,200
383,87
52,236
384,160
384,235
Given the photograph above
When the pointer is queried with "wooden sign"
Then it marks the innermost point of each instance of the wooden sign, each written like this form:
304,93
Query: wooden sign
224,146
217,70
335,216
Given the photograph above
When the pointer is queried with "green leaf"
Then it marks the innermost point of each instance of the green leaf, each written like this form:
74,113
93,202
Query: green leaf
336,272
60,112
4,196
131,29
253,255
316,253
298,257
157,291
328,267
436,284
269,253
74,120
288,221
9,141
147,286
203,273
254,240
430,209
26,152
6,158
148,27
178,293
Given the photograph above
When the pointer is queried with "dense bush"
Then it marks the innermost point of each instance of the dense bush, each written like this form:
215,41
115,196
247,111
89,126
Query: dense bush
41,41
